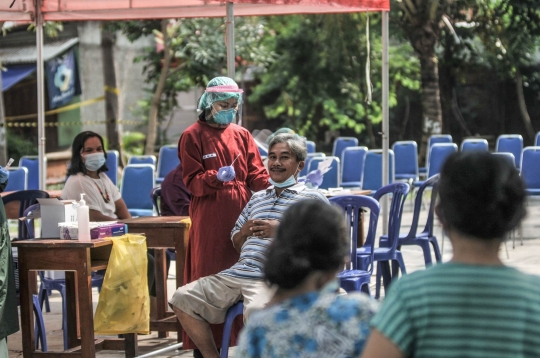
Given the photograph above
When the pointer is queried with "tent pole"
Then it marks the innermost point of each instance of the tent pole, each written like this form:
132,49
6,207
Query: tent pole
385,109
230,39
40,97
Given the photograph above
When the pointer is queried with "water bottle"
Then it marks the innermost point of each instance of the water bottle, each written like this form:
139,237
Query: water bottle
83,220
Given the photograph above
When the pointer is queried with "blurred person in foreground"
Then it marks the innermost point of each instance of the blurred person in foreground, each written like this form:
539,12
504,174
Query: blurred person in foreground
9,318
175,198
221,168
474,305
307,317
206,300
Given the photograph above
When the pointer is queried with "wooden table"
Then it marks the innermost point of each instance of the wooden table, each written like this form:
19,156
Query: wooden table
360,236
78,259
163,232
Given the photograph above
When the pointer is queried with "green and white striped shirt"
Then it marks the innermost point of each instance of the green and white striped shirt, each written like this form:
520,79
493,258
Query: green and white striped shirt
461,311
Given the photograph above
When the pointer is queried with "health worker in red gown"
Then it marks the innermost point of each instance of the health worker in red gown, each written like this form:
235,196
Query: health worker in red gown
221,167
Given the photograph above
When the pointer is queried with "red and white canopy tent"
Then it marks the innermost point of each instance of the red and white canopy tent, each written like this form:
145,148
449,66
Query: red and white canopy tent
38,11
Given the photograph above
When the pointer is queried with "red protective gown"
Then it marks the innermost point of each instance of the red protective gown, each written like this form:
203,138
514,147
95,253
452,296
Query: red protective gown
215,206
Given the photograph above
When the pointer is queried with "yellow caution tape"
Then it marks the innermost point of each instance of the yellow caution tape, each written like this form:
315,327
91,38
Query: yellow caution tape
112,90
68,124
59,110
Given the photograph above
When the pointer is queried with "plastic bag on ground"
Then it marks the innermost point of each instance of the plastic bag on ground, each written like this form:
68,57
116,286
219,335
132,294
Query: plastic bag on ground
124,302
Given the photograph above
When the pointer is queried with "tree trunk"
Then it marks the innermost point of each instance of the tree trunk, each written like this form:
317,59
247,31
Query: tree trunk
156,98
523,106
111,92
431,101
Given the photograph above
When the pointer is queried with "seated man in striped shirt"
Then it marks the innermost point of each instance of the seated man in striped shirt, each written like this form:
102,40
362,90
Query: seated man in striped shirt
474,305
206,301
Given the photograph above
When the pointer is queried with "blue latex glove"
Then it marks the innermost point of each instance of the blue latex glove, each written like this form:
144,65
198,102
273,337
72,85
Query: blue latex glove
314,179
4,175
226,173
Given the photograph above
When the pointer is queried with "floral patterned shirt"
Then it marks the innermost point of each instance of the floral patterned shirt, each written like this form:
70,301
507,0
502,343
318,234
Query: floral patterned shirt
316,324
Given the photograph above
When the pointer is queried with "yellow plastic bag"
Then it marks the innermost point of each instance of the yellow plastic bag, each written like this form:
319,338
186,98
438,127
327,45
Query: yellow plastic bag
124,302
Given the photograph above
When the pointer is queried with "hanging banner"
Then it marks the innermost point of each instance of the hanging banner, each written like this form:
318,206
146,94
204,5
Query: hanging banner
62,79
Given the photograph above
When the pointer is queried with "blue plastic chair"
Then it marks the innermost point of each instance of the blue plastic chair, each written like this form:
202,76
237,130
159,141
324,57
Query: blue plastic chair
340,143
233,311
25,199
39,330
384,254
512,143
474,144
406,160
112,163
309,157
434,139
138,181
31,163
508,156
18,179
537,140
142,159
167,161
352,166
372,175
354,278
311,147
50,284
331,178
530,170
427,236
439,153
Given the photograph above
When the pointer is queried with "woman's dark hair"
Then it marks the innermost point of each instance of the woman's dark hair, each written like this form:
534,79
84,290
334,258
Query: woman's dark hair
481,195
311,237
76,164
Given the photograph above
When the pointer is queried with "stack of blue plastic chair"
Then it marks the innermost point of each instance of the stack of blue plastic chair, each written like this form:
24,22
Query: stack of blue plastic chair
474,144
537,140
530,170
383,255
233,311
167,161
352,166
372,175
311,147
434,139
427,236
330,178
112,163
438,154
356,278
406,160
18,179
512,143
138,182
340,143
309,157
142,159
31,163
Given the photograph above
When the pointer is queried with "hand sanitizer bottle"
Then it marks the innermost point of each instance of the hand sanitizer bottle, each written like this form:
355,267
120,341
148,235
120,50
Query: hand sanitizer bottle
83,220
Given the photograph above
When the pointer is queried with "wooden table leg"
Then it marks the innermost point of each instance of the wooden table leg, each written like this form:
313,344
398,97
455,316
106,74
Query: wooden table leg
84,291
161,286
130,345
72,310
27,286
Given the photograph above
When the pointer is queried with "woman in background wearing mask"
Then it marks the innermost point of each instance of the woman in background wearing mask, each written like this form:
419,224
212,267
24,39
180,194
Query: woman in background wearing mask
221,167
86,175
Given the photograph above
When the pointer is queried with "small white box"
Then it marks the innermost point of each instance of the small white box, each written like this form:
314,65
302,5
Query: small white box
54,211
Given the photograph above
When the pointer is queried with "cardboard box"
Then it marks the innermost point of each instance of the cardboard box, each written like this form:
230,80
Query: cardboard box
54,211
108,231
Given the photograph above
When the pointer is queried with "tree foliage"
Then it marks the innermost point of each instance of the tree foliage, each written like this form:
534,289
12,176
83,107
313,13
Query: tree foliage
319,81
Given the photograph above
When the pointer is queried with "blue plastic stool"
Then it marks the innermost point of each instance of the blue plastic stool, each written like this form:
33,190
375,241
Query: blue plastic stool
233,311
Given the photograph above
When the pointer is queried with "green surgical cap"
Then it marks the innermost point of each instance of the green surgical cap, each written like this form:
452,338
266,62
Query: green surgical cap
279,131
210,97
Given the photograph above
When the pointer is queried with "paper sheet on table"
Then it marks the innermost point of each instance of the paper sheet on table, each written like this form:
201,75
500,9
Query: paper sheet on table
324,166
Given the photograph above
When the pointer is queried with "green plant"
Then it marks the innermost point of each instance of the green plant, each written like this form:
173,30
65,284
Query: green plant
133,143
17,146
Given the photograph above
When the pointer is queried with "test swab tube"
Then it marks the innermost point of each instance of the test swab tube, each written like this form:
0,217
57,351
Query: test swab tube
11,160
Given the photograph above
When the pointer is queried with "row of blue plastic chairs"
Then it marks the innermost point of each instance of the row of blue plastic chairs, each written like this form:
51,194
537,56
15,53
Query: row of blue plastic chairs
357,166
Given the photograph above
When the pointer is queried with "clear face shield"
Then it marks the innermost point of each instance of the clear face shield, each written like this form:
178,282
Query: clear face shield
222,104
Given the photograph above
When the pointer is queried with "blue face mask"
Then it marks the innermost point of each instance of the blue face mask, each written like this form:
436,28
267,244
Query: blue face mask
289,182
94,161
225,117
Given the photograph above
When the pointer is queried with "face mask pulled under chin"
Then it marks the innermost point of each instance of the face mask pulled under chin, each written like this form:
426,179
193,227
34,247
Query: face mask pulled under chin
94,161
289,182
